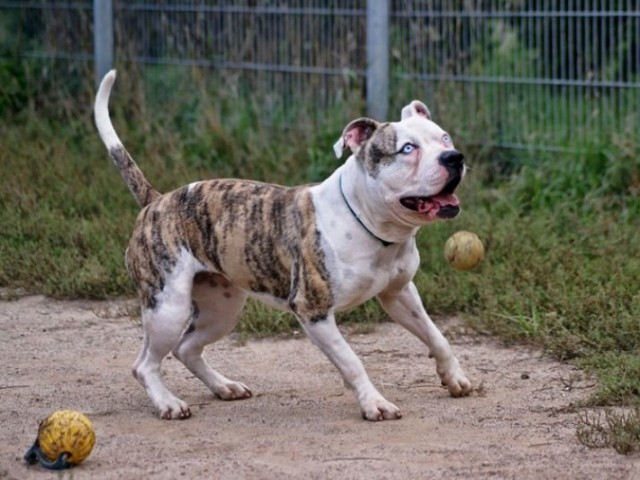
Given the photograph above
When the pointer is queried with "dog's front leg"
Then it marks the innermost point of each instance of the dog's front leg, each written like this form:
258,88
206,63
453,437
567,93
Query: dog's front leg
405,307
325,335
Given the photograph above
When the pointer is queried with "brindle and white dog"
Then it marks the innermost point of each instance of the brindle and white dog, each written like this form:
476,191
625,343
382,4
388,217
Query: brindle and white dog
198,252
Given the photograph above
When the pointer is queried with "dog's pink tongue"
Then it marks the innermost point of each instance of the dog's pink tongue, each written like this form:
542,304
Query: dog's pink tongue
437,201
446,200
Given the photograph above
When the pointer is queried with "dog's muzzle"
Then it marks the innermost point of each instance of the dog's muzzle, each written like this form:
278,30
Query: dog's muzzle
445,203
453,161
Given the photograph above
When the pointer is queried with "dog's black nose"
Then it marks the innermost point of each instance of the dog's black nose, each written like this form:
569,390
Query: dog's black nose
452,159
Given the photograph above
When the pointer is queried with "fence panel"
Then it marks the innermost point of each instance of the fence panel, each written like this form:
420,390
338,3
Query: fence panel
49,30
542,74
305,53
538,74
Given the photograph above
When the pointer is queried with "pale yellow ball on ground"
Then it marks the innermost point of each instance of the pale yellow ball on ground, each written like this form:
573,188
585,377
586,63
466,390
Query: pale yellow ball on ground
66,431
464,250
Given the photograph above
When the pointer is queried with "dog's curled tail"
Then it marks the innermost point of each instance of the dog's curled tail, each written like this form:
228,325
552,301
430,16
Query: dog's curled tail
133,176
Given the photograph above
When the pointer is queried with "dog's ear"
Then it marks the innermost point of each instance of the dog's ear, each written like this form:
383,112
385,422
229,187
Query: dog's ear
416,108
355,134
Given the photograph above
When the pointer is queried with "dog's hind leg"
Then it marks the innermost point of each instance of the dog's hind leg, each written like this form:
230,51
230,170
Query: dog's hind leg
164,315
215,310
162,328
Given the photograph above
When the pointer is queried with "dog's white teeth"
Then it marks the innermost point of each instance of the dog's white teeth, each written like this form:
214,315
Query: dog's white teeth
424,205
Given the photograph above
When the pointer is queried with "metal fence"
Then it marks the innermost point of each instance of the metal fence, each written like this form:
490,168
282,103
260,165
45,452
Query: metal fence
542,74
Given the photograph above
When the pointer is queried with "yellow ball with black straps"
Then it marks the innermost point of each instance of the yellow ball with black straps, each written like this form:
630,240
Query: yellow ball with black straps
65,438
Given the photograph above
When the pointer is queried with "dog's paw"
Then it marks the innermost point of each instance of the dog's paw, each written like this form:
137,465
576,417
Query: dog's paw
454,378
379,409
174,409
232,391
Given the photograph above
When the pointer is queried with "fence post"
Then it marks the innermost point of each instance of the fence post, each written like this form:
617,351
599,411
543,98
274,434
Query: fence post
378,59
102,37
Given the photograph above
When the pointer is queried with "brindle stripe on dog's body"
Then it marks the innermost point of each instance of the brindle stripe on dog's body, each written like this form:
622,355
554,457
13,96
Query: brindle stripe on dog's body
216,222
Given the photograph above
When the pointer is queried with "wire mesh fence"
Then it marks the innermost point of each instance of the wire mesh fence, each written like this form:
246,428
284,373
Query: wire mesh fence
543,74
540,73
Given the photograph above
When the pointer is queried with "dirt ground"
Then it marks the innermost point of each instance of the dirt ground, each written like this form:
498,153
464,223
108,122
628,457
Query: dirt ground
301,423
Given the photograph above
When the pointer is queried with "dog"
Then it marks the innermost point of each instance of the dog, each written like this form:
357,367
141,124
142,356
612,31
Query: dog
198,252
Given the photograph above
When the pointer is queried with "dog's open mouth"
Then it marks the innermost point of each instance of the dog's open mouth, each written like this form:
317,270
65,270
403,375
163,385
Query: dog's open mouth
443,205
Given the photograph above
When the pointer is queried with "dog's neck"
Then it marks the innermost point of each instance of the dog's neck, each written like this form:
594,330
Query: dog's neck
369,208
355,215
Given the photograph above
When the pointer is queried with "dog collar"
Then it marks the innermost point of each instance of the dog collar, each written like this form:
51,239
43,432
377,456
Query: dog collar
355,215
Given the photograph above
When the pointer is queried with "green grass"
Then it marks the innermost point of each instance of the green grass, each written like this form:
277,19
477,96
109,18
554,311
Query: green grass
561,231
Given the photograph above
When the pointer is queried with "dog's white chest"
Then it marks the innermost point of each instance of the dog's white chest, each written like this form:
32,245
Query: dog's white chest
361,267
359,277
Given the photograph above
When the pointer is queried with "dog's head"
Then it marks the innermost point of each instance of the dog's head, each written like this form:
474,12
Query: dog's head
412,163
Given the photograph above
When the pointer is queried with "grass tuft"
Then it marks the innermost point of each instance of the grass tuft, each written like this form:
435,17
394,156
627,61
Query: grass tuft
617,430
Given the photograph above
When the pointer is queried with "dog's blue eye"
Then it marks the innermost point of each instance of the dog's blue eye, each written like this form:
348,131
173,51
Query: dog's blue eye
408,148
446,139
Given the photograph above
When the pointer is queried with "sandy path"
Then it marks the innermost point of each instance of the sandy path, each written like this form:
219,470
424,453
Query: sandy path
301,422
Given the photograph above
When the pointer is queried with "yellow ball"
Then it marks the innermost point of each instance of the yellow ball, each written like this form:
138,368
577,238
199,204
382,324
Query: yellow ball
65,438
463,250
